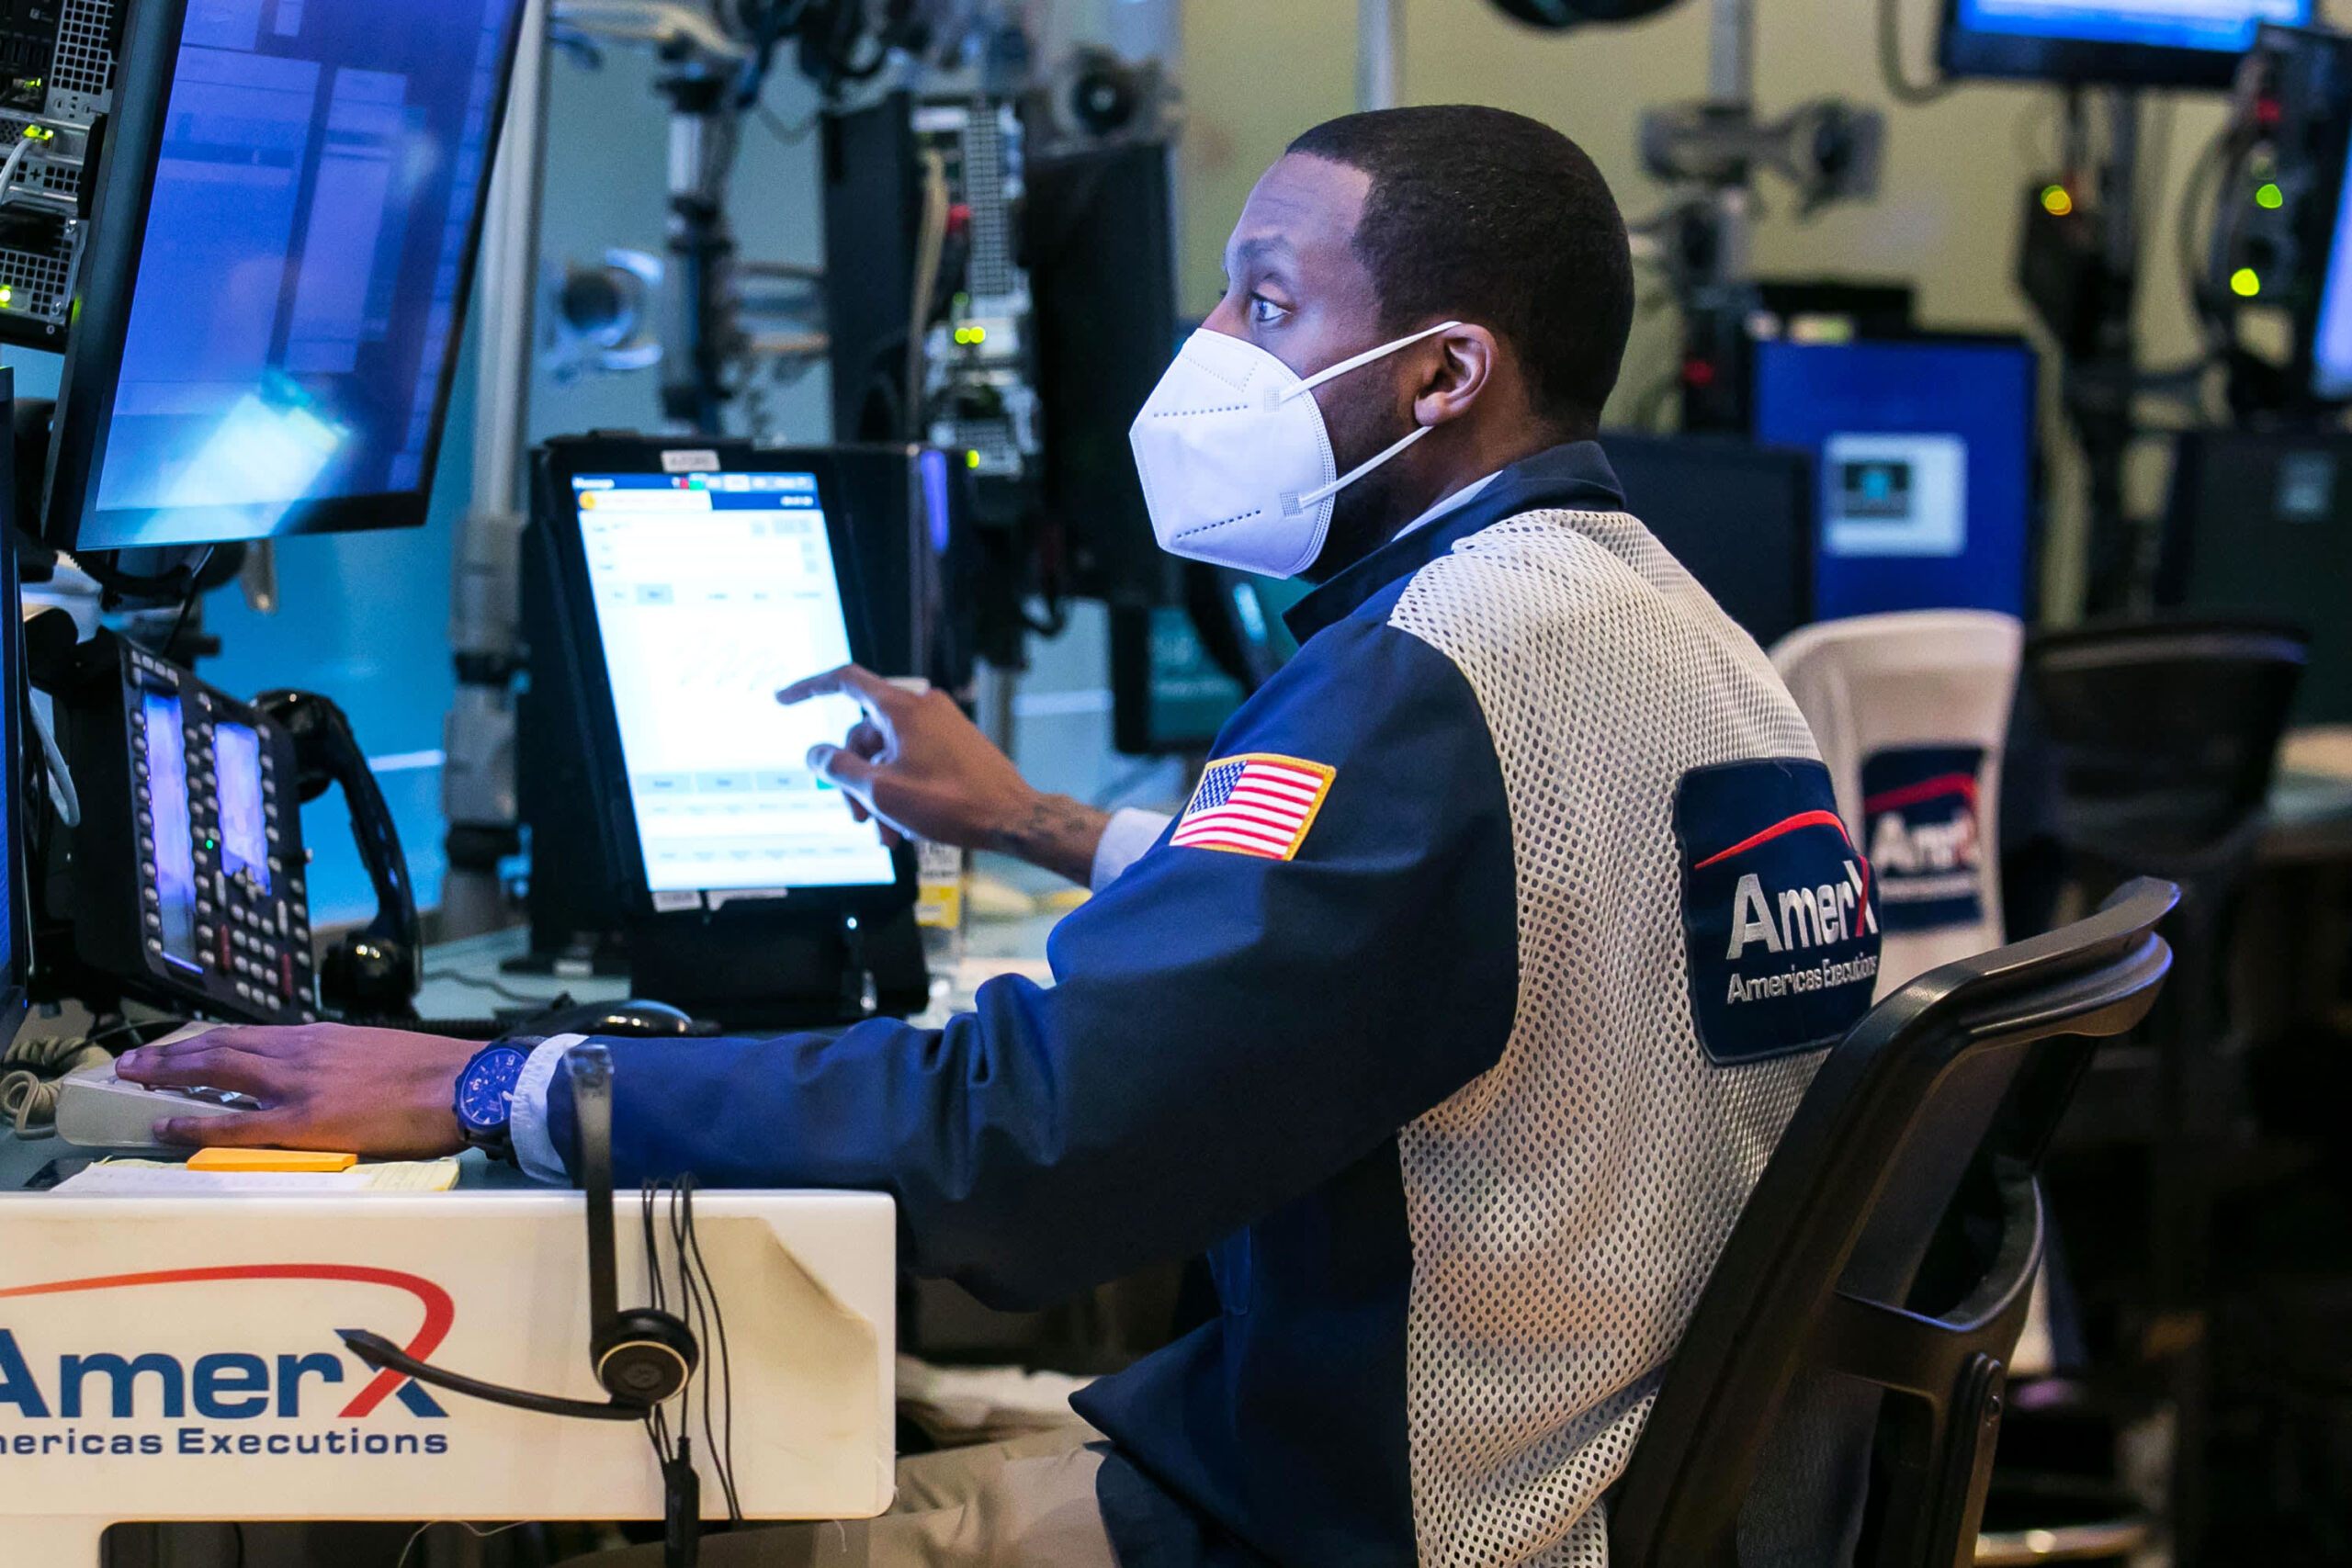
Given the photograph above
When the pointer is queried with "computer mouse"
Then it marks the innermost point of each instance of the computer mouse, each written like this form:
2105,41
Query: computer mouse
634,1019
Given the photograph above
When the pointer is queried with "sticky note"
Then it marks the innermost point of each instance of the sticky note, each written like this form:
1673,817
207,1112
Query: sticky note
269,1159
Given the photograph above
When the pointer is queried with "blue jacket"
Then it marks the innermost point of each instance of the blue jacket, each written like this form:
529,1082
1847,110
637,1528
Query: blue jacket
1282,1060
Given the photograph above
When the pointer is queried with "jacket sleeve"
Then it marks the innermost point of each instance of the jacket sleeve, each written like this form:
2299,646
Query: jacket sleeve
1226,1030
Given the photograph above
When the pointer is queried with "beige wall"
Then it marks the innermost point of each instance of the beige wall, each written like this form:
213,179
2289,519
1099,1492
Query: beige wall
1256,72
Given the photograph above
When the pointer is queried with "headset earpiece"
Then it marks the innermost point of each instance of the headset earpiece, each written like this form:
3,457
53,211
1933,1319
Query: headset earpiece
650,1355
643,1355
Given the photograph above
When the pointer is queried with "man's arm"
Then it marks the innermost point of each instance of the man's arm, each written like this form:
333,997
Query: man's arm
1229,1030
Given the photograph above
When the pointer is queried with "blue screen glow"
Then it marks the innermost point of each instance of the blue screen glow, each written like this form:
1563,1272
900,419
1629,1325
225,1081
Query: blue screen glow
296,298
2221,25
1925,452
174,873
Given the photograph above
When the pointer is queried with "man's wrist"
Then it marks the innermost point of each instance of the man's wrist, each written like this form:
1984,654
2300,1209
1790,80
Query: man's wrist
1054,832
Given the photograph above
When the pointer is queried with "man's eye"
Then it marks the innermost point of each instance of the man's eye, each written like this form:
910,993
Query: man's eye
1264,313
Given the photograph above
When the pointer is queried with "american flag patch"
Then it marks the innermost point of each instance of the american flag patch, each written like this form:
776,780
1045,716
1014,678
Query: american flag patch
1256,805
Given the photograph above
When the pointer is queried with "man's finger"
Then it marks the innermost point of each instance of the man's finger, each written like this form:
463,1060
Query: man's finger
867,739
873,694
282,1042
846,768
239,1070
253,1130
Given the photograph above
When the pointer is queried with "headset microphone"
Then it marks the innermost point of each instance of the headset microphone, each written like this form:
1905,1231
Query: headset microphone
642,1356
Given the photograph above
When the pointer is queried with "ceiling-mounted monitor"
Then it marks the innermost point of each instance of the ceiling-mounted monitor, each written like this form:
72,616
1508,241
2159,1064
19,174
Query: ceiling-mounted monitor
2164,43
281,240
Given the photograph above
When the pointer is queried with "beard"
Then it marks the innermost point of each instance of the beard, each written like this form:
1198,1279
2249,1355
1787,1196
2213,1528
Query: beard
1367,514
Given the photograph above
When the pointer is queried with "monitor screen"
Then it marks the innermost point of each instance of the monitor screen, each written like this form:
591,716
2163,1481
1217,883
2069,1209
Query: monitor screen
714,592
2182,42
293,312
1738,516
164,749
1924,460
2331,329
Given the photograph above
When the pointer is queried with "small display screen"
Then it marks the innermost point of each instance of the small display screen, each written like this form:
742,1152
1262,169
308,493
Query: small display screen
2226,25
310,226
173,877
713,592
245,839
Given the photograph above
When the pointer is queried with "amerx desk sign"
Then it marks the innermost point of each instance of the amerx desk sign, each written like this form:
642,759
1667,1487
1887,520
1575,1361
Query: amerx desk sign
178,1358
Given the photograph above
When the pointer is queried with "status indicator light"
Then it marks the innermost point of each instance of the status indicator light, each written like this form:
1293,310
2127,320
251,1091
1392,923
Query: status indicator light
2268,194
7,295
2057,201
971,459
2244,283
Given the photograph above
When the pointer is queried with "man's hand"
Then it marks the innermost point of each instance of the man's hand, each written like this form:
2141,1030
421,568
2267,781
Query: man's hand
922,770
323,1086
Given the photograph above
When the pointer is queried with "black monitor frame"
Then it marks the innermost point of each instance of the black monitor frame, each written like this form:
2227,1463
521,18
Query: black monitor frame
558,461
1960,52
15,701
124,182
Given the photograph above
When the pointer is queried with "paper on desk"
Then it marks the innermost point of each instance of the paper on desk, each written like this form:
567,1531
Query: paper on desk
154,1178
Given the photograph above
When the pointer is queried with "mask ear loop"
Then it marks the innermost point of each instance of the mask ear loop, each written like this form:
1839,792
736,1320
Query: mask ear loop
1293,505
1366,358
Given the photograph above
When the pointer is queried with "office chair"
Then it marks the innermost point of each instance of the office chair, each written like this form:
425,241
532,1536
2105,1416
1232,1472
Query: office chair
2162,739
1911,711
1889,1248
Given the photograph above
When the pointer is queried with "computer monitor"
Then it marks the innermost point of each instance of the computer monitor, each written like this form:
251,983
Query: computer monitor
2175,43
285,224
2259,526
2330,336
692,597
1924,452
1738,518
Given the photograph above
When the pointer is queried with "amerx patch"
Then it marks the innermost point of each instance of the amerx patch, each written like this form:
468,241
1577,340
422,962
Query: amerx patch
1780,916
1256,805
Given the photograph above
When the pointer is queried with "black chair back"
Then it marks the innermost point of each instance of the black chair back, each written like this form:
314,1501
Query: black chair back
2163,735
1890,1249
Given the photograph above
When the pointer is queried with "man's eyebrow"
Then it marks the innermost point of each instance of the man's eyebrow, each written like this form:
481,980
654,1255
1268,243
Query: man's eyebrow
1261,247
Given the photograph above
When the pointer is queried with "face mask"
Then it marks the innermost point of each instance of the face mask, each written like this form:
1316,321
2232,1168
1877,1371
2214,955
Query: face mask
1236,462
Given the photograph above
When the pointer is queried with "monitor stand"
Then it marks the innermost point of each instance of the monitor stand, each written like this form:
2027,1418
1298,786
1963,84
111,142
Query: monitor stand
777,970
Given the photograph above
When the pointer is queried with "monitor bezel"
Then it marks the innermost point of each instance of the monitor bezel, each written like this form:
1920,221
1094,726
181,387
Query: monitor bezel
1962,51
124,183
16,976
558,462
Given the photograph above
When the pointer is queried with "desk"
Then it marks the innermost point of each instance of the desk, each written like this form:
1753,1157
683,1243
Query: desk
176,1358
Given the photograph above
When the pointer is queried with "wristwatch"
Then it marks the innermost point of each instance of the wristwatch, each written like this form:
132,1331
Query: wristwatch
485,1099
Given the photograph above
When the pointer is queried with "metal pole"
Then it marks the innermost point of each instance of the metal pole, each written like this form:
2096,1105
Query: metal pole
1730,51
1380,53
478,737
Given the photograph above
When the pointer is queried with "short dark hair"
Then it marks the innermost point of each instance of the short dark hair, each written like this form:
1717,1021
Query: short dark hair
1494,218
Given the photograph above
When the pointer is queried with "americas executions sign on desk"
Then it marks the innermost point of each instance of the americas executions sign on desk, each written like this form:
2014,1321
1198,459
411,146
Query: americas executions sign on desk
177,1359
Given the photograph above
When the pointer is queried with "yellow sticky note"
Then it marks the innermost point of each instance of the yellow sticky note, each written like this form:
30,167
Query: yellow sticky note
269,1159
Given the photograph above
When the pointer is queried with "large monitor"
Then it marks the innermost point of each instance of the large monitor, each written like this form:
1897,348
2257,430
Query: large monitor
16,956
283,235
1738,518
1924,450
692,599
2259,526
2181,43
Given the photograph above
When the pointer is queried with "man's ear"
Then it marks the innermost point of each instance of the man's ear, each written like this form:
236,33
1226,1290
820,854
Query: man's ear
1459,371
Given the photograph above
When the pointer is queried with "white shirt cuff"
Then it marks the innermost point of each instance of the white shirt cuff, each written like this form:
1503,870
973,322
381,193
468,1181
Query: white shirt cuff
1131,833
528,1123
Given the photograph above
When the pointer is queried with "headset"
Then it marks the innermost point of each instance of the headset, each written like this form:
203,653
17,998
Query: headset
643,1355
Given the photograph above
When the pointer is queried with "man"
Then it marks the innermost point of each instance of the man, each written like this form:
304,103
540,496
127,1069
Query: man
1456,1016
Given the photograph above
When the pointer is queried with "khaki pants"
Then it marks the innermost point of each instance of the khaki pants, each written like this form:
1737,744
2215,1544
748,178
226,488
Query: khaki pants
1028,1504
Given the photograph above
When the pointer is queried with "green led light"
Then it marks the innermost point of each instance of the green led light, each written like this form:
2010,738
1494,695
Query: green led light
7,296
2244,283
2268,194
971,459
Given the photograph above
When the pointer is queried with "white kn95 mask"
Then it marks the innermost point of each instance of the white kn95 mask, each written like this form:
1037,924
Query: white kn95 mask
1235,461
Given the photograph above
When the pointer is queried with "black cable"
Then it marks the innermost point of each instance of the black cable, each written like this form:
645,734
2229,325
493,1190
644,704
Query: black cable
2209,163
690,1298
1899,87
725,1450
474,982
188,603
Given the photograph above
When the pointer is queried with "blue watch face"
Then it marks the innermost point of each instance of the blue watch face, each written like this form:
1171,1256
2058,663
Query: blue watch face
486,1091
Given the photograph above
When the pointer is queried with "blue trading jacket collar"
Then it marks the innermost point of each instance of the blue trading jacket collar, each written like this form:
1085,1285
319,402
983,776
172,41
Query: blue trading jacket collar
1576,475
